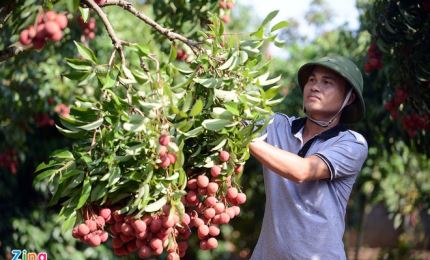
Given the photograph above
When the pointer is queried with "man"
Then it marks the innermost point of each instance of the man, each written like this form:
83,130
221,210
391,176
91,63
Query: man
310,165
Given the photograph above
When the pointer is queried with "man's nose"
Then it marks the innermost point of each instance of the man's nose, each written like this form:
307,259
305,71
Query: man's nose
316,86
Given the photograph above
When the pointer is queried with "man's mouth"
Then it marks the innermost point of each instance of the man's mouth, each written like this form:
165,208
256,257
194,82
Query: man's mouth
313,97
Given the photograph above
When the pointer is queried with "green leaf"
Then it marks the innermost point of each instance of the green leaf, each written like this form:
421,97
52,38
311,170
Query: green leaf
127,72
57,194
172,55
92,126
220,144
86,191
275,102
195,132
182,178
197,108
62,154
157,205
98,192
172,177
137,123
226,96
243,57
209,83
72,6
229,62
85,12
187,101
86,52
273,91
69,222
279,43
220,112
220,29
110,80
80,65
262,81
232,108
45,174
143,49
71,134
44,166
77,75
114,175
269,17
259,34
279,26
135,149
70,173
215,124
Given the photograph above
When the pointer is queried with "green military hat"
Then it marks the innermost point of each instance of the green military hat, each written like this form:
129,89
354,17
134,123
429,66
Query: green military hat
348,70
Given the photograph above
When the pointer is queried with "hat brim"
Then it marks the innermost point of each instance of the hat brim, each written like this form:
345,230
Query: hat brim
352,113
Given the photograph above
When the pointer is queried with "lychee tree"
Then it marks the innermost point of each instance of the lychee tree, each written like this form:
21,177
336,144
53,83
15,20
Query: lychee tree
38,90
161,145
398,57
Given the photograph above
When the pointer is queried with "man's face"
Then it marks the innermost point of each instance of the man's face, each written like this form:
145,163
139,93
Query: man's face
324,93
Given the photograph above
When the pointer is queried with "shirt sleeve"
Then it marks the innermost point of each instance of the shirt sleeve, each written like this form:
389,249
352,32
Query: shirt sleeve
345,157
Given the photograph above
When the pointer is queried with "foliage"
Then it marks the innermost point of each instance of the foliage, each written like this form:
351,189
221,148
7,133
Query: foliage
117,131
400,58
36,85
202,104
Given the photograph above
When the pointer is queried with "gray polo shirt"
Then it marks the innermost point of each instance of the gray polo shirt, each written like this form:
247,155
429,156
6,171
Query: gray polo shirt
307,220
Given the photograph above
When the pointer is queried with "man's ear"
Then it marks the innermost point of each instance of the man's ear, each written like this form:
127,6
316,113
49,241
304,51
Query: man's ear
351,98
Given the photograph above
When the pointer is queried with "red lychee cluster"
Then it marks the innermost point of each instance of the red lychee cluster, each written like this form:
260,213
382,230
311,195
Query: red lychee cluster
88,28
399,98
224,156
62,109
150,235
374,59
49,26
415,122
9,160
209,207
92,231
209,203
225,6
181,55
43,120
225,18
167,158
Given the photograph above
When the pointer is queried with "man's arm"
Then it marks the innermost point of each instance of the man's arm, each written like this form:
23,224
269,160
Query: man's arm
289,165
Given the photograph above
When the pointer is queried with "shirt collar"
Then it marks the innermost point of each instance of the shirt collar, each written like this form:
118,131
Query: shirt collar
299,123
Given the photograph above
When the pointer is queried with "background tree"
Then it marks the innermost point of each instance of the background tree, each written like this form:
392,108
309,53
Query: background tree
38,86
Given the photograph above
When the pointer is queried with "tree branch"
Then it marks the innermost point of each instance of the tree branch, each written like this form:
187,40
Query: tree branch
10,51
117,43
167,32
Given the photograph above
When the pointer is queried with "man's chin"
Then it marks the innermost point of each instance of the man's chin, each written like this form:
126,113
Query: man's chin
317,115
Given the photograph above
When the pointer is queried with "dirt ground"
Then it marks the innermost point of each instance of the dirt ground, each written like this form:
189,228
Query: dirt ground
368,253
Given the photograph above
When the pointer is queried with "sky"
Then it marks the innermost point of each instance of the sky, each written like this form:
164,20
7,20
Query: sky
344,12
